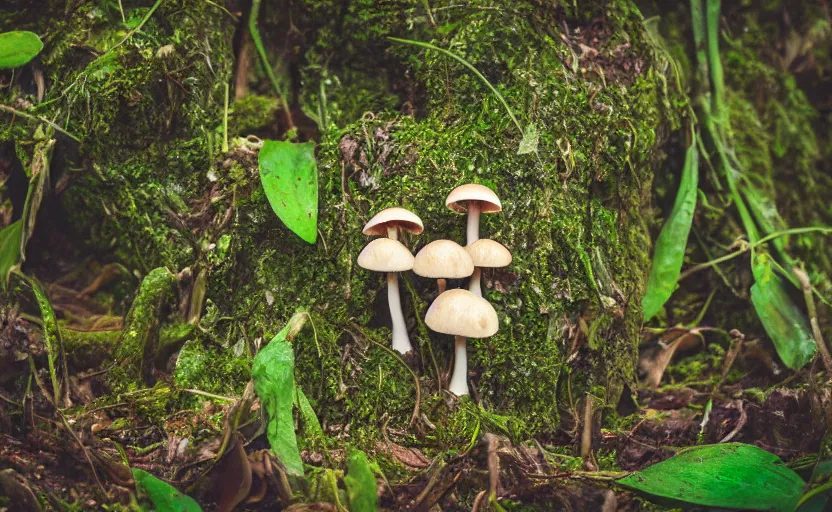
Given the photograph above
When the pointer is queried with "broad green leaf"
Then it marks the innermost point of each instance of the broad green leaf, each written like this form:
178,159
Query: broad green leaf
528,144
165,497
669,254
274,381
289,175
784,322
10,238
732,476
360,483
18,47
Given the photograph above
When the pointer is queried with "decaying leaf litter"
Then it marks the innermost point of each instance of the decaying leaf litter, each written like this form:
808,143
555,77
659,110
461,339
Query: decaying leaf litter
164,357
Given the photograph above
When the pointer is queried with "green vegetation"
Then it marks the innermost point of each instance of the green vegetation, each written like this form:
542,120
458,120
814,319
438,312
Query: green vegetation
137,153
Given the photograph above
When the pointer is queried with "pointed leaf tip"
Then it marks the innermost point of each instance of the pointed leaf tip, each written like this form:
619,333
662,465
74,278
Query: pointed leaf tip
289,174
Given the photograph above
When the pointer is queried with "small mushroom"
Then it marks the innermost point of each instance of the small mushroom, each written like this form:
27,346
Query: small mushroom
463,314
387,223
488,254
474,199
443,259
387,255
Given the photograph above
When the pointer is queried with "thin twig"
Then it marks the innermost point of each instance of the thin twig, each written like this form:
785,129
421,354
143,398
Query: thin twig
39,118
813,319
423,329
209,395
415,415
743,250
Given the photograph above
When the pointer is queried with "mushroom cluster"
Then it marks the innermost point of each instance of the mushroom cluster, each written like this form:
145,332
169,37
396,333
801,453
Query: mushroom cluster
461,313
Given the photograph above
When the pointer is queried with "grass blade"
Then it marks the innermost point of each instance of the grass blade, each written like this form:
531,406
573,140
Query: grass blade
669,254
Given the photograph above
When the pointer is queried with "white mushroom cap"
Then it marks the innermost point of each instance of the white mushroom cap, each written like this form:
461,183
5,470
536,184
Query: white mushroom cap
458,198
385,255
461,313
443,259
398,217
488,253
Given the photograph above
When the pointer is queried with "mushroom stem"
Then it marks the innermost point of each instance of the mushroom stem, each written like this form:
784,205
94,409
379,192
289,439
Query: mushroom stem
473,232
392,232
401,343
441,284
474,284
459,380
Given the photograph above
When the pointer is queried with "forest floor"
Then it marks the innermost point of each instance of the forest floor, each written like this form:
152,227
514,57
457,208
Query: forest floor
692,394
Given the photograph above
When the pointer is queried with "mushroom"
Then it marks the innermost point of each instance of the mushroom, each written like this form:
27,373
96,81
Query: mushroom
474,199
443,259
489,254
463,314
387,223
388,255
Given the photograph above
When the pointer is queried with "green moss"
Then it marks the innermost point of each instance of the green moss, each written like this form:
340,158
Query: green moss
211,369
140,336
250,114
571,219
157,191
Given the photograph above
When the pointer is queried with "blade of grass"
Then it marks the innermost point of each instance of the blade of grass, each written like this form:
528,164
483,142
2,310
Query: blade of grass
669,254
470,67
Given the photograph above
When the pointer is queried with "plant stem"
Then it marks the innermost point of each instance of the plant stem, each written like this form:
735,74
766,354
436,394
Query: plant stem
813,319
467,65
41,119
768,238
261,51
225,123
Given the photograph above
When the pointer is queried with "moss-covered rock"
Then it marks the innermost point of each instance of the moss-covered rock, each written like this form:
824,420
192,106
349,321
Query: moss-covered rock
399,125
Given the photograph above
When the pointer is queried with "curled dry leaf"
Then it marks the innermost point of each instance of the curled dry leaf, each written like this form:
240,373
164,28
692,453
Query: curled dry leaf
233,477
410,457
654,361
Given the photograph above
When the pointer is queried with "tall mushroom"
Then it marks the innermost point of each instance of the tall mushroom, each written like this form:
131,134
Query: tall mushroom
474,199
388,255
489,254
387,223
443,259
463,314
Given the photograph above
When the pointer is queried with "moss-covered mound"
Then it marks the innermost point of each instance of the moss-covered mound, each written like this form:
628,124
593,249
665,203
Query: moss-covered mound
397,125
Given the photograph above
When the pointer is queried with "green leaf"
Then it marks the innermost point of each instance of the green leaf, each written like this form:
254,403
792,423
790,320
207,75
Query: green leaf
311,425
360,483
768,218
784,322
528,144
38,186
274,381
290,178
732,476
10,238
164,496
669,254
18,47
